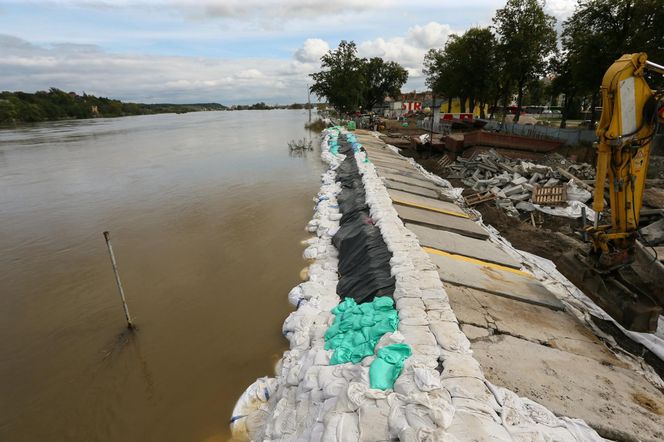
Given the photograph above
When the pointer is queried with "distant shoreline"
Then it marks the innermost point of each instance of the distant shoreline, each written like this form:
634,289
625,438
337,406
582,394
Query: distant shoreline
56,105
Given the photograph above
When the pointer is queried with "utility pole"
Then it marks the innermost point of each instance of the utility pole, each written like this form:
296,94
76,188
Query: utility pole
117,280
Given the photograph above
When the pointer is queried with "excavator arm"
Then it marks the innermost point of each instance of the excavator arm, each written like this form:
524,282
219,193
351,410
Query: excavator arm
606,270
626,128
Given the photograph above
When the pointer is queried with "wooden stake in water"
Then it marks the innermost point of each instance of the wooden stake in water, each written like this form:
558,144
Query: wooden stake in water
117,279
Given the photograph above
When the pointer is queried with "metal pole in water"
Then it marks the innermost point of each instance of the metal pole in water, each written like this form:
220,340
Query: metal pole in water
309,102
117,280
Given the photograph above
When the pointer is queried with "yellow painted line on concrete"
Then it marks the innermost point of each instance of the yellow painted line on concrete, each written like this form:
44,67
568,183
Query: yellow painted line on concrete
434,209
476,261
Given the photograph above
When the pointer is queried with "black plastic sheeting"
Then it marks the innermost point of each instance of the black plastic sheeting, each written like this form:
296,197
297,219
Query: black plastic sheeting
364,260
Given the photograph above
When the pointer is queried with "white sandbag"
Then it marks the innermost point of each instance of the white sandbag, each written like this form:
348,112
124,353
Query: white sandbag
426,379
461,365
251,400
449,337
417,335
470,388
373,421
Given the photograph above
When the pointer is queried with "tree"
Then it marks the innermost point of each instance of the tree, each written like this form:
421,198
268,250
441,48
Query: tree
479,45
463,68
341,81
563,83
600,31
527,37
440,75
380,80
349,82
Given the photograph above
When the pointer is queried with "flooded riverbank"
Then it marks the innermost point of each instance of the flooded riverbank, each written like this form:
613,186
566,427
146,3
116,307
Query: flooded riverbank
206,212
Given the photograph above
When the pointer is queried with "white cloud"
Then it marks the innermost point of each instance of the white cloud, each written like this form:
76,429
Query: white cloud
561,9
287,9
312,50
280,8
431,35
409,50
149,78
160,78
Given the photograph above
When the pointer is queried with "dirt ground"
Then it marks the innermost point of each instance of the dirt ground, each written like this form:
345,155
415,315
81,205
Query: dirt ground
550,237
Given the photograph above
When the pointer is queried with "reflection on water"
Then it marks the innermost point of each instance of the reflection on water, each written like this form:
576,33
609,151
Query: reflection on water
206,212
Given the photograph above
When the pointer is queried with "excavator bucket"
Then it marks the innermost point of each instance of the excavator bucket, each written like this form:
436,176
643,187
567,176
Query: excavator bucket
627,294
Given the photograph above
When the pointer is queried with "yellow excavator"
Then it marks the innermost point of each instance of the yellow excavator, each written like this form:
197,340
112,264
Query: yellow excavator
615,270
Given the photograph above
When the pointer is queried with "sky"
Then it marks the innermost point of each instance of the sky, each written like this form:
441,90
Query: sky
225,51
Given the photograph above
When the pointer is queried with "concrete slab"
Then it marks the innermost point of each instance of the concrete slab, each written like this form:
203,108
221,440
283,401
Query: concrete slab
467,309
462,245
388,158
412,181
439,220
542,325
617,402
383,154
416,190
383,170
396,164
492,278
416,200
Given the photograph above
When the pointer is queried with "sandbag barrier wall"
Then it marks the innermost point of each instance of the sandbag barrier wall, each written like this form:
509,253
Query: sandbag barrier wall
298,399
442,391
310,400
364,260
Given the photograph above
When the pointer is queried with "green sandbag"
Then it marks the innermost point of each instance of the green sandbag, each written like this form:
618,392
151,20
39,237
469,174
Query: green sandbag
357,328
386,368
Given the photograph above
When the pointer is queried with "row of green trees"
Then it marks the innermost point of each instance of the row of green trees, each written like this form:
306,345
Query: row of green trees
350,83
264,106
523,55
56,104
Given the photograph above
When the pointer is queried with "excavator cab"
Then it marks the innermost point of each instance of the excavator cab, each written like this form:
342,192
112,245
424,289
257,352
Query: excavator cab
616,269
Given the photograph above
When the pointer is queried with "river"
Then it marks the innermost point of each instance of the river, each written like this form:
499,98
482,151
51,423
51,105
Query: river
206,213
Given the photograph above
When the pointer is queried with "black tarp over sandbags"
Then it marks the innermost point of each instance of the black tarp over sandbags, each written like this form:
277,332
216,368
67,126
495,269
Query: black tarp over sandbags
364,260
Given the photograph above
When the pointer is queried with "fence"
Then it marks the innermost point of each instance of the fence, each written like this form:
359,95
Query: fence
438,127
571,137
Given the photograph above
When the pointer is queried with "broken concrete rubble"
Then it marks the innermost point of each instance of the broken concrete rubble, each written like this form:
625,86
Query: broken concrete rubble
513,181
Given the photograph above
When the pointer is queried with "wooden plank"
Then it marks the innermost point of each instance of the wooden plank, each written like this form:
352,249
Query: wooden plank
579,182
478,198
550,196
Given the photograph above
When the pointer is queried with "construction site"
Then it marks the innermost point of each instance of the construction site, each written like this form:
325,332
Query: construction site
470,283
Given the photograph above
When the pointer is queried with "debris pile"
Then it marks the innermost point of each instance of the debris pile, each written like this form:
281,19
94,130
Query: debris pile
512,183
299,145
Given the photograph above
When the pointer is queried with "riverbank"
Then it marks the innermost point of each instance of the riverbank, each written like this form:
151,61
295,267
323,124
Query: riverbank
470,306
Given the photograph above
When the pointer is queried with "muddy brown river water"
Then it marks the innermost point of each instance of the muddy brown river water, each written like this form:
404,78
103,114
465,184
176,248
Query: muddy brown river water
206,213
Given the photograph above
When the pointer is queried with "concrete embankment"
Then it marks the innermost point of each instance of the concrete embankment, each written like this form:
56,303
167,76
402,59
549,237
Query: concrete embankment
481,327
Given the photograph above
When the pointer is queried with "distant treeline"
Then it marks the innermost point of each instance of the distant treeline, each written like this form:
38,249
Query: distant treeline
55,104
264,106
